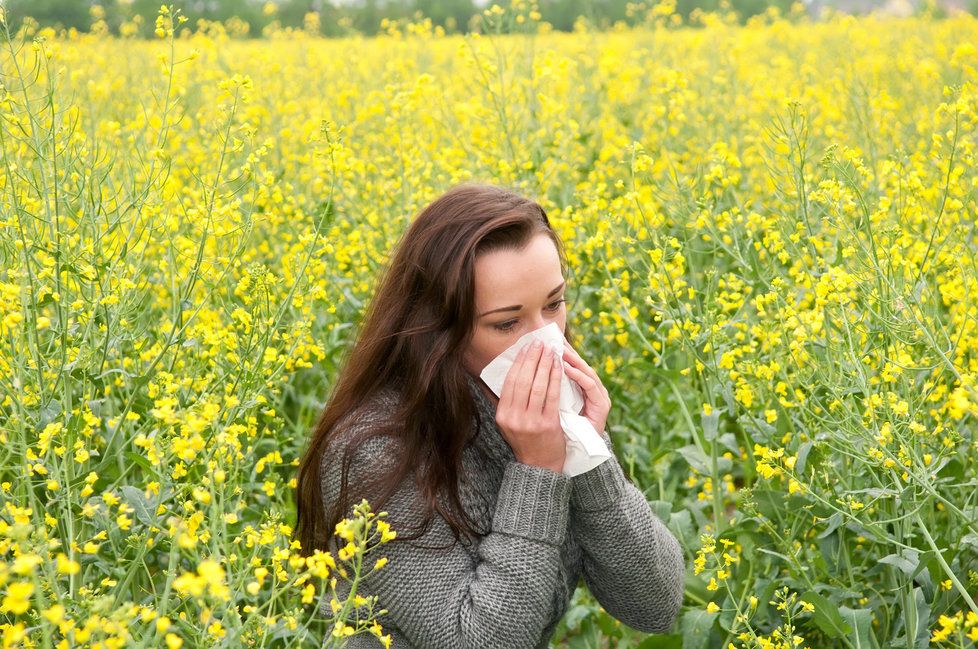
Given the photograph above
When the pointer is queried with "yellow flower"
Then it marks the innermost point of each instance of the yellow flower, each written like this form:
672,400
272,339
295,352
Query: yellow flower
347,551
55,615
386,534
66,566
341,629
17,599
25,563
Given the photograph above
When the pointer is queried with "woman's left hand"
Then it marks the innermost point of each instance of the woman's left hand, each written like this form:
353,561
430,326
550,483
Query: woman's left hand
597,403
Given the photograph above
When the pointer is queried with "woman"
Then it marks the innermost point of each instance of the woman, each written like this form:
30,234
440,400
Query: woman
492,538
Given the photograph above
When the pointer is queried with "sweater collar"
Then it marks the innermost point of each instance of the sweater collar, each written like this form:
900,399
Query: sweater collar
489,438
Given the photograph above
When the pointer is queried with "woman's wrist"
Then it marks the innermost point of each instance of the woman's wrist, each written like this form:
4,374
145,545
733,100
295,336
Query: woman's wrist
557,468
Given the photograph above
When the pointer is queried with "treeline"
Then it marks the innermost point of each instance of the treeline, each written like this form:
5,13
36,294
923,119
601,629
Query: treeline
254,17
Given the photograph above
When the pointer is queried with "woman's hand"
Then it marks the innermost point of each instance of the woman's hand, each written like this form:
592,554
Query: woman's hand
527,413
597,403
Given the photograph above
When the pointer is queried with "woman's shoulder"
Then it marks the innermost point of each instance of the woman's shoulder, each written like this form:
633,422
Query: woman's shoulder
380,407
378,411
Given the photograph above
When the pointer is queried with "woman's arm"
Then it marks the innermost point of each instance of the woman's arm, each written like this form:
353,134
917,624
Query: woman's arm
439,598
633,564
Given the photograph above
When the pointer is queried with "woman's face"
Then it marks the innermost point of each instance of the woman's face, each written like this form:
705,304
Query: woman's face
516,291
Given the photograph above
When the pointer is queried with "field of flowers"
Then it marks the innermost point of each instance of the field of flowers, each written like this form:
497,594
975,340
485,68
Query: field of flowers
771,230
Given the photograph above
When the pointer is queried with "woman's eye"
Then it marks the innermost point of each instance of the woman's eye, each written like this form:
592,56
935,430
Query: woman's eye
555,305
508,326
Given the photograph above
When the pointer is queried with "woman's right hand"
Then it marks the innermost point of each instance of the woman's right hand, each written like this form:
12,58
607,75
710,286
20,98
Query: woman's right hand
527,412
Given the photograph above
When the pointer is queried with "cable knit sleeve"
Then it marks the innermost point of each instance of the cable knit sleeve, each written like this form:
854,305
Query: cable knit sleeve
439,598
633,564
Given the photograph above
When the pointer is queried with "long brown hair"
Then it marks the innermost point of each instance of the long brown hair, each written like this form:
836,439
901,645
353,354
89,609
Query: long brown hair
413,336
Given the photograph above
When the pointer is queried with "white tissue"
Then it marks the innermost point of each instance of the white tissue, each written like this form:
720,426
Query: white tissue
585,447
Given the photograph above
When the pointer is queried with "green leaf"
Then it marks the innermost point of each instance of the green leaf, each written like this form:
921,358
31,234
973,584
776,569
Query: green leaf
608,626
769,502
695,627
661,642
802,457
827,615
662,509
699,461
589,637
923,617
576,614
681,524
833,523
861,620
143,462
729,441
710,424
907,562
137,500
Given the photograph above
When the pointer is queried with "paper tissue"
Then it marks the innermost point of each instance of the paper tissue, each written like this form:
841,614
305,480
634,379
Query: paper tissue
585,447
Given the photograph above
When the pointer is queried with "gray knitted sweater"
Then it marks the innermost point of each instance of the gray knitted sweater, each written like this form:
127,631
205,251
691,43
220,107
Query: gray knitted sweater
510,589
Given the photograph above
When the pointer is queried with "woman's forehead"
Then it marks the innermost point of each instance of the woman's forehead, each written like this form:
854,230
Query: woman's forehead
509,274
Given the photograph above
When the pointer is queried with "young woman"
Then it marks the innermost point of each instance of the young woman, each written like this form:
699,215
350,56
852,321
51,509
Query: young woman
492,538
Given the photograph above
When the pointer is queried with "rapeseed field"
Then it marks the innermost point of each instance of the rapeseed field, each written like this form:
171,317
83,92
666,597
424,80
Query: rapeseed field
771,234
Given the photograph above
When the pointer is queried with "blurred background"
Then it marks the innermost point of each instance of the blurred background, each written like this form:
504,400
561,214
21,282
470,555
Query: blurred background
341,17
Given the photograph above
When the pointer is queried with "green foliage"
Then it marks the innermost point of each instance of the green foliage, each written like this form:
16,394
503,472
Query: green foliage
363,16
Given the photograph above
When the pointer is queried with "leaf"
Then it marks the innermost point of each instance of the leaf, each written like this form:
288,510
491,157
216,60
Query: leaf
662,509
710,424
662,642
906,562
827,615
573,617
875,492
769,502
730,442
861,621
142,462
802,457
784,557
608,626
137,500
695,458
695,627
834,521
682,523
923,617
698,460
589,637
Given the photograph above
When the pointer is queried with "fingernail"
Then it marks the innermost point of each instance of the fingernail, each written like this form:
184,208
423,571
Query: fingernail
535,345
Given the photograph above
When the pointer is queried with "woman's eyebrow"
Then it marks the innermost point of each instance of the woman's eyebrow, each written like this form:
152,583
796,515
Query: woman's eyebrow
517,307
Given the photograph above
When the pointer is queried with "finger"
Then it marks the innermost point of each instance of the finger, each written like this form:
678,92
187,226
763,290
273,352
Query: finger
587,383
525,377
539,390
552,403
575,360
570,354
509,383
538,387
